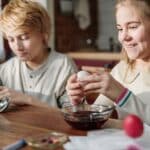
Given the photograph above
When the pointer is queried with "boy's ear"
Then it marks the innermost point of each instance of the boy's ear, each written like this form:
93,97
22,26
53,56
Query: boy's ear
46,37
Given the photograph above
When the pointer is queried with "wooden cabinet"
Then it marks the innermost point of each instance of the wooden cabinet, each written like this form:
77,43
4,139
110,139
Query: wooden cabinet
69,36
4,2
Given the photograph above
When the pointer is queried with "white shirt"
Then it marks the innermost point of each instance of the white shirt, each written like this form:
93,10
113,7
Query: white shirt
139,84
47,82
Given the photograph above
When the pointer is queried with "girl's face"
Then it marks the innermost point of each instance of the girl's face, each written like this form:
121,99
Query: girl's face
28,46
133,34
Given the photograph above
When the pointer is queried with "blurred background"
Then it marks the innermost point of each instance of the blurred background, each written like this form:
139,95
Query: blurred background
78,26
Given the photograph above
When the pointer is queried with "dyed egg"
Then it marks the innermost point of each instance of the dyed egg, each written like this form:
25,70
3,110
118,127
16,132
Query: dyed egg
133,126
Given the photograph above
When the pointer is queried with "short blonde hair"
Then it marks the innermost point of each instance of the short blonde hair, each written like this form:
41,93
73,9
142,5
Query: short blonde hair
142,7
24,15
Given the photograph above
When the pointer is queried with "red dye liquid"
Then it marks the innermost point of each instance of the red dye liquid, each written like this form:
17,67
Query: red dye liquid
90,98
85,120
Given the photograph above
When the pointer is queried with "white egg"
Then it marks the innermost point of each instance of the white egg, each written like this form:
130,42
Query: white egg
82,74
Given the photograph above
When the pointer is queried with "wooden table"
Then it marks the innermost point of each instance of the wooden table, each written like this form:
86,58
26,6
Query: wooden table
23,122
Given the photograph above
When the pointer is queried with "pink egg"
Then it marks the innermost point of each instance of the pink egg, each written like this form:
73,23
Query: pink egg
133,126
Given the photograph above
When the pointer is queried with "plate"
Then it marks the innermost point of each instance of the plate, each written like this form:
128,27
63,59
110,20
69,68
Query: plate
49,141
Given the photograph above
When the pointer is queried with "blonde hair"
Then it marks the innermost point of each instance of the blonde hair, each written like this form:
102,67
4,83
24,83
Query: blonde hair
142,7
24,15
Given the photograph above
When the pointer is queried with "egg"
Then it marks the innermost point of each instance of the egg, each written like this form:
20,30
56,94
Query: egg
82,74
133,126
90,98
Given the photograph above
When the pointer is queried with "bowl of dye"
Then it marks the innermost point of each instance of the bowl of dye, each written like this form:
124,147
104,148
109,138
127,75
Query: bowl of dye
85,116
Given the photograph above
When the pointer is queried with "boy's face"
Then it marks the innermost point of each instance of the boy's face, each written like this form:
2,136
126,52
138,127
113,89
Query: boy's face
27,45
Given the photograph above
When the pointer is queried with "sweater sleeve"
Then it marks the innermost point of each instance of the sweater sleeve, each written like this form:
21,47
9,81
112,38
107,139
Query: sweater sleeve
131,103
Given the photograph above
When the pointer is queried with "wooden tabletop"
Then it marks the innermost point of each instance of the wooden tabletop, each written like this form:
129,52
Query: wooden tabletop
23,122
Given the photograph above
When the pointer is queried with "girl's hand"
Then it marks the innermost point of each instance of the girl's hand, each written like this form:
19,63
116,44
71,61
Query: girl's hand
101,81
74,90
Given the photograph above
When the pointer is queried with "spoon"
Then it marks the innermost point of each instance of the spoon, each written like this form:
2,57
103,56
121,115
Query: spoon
4,102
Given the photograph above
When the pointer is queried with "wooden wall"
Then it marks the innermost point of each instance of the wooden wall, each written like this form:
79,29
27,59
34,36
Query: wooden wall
68,35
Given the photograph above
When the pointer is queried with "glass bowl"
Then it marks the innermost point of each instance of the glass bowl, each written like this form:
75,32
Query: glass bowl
86,117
